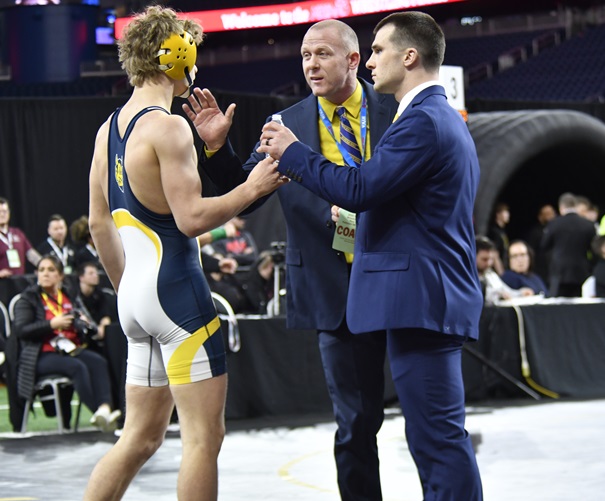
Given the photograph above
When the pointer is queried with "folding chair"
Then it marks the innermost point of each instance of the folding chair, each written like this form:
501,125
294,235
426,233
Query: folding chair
225,312
55,382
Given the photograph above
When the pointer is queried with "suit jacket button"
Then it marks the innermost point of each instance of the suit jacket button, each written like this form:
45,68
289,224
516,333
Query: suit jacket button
328,224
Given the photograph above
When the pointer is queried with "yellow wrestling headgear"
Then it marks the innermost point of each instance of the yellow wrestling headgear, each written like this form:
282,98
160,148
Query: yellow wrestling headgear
177,56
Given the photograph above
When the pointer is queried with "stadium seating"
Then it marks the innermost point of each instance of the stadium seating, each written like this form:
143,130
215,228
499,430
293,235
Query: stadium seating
572,71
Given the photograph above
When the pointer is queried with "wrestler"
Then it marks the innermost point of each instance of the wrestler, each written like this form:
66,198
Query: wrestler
145,212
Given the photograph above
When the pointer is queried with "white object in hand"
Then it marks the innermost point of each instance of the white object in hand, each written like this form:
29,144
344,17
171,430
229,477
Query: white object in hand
274,118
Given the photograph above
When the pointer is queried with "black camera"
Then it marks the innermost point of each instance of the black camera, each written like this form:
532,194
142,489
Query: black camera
82,326
278,252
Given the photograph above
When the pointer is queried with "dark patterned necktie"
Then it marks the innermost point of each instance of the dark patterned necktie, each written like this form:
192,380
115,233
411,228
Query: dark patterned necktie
347,136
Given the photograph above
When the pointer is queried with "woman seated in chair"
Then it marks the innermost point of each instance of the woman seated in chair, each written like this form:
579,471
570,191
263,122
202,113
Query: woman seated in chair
51,332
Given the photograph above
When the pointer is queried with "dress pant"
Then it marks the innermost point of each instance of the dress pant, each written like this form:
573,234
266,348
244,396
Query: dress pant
427,373
88,371
354,370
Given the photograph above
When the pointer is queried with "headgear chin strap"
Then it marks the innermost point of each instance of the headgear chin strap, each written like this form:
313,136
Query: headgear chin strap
177,56
189,81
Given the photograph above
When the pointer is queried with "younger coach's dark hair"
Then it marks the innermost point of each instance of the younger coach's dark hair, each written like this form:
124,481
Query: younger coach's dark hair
418,30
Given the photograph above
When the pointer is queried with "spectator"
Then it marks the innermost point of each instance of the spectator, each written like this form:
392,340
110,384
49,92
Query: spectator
494,289
246,288
592,214
498,236
583,206
94,300
213,264
80,235
247,291
601,229
56,244
233,241
588,210
546,213
599,270
15,248
520,264
51,333
569,238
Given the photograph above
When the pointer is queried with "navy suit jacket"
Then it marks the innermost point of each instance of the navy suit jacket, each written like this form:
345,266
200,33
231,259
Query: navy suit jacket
317,277
414,263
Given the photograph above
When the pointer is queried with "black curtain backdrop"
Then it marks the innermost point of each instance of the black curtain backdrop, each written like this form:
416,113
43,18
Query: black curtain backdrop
45,157
47,144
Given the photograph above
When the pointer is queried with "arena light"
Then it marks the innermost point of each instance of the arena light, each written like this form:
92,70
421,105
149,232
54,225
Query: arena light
271,16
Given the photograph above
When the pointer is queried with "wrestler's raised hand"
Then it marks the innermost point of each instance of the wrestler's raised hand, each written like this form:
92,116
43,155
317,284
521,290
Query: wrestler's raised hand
211,124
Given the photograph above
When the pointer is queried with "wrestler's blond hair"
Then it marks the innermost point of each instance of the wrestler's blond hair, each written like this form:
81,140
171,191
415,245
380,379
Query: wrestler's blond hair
142,38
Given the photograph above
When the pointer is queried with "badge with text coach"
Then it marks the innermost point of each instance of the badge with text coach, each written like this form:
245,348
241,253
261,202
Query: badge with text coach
344,236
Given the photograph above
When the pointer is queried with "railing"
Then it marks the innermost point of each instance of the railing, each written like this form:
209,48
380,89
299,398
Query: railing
510,24
101,68
516,55
477,73
546,41
511,58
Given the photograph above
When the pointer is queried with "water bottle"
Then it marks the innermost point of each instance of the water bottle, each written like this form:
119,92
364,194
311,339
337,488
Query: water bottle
275,118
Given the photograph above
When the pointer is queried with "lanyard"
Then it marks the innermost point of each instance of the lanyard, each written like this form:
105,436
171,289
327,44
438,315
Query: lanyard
48,300
7,238
61,253
363,125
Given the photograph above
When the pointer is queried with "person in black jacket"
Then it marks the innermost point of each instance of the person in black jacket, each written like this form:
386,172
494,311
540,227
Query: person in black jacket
51,333
56,243
569,237
497,234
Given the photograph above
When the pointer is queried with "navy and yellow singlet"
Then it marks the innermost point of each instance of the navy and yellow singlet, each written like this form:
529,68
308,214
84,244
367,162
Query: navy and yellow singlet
164,302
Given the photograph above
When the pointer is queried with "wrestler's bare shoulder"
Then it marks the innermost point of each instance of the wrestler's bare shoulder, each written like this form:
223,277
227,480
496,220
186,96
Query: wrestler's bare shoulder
159,126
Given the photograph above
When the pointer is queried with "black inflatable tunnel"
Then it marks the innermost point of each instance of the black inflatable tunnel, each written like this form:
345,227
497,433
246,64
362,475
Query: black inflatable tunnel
529,158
